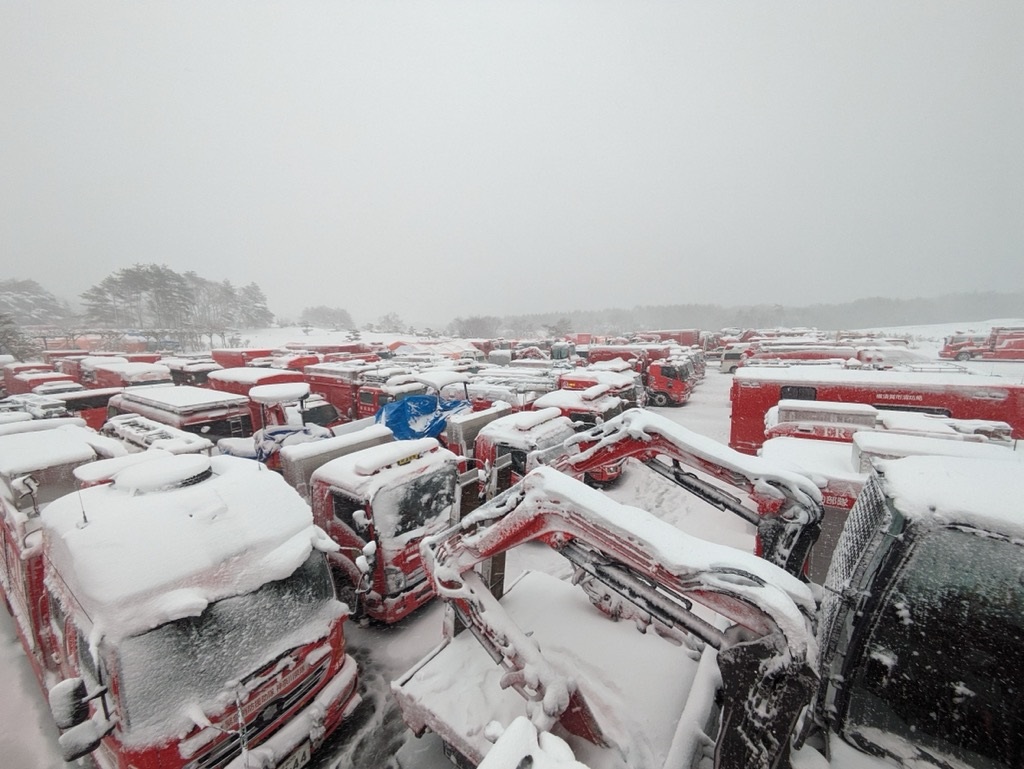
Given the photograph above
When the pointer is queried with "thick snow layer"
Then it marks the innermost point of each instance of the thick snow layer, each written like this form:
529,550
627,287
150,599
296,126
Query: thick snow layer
359,473
522,745
780,596
103,470
828,459
895,445
285,392
529,430
30,452
440,378
463,684
38,425
137,372
958,490
254,375
595,397
866,376
136,558
183,398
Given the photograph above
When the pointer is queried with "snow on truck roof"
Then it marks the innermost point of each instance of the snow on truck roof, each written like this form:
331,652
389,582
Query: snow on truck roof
836,407
832,459
439,378
183,398
529,427
253,375
894,445
957,490
170,536
360,472
133,368
595,396
283,392
28,452
830,375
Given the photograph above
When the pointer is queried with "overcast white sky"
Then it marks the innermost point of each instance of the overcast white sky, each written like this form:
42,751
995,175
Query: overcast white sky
441,159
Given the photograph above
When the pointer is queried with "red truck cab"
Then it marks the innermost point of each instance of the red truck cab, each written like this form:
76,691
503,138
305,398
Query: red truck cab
378,504
167,659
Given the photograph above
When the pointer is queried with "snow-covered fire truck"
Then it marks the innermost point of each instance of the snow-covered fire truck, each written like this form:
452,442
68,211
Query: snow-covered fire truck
190,617
951,394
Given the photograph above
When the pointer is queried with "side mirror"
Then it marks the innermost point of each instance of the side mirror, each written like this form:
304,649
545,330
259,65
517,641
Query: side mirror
83,739
361,520
69,703
366,561
26,486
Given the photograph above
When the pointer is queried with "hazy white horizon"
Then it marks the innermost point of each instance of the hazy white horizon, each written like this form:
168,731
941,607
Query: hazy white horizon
460,158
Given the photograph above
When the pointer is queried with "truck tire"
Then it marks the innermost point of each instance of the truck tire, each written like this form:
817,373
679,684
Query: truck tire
963,356
659,399
732,369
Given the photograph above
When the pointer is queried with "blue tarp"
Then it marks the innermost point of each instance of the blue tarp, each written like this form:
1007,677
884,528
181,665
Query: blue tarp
419,416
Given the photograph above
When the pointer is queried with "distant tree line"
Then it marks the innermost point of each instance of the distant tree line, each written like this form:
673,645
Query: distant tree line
150,296
863,313
147,299
154,297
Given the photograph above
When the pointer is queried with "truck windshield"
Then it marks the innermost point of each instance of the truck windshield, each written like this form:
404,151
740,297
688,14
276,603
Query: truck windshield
190,664
941,667
53,482
408,508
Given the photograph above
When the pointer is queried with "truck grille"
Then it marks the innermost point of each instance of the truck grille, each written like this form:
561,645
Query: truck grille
856,547
265,723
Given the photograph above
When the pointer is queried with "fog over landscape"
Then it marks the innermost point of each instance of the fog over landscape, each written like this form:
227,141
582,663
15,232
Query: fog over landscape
457,158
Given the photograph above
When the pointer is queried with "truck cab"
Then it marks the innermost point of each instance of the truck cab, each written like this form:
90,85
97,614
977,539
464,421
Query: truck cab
517,435
167,658
923,616
199,410
36,467
378,504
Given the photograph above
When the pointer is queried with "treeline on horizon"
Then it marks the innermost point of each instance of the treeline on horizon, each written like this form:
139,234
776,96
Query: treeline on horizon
872,312
150,296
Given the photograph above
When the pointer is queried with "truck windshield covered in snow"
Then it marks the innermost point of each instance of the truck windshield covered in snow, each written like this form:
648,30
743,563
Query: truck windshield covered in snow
914,681
186,664
404,509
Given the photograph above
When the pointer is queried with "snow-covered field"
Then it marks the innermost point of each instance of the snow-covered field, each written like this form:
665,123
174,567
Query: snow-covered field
28,737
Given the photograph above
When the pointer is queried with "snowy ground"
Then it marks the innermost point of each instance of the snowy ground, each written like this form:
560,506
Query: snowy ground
28,737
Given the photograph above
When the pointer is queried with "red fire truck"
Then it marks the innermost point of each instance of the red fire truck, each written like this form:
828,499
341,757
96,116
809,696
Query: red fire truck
191,371
198,410
1003,343
953,394
121,636
230,357
625,384
359,389
130,374
36,467
13,369
378,504
28,381
239,380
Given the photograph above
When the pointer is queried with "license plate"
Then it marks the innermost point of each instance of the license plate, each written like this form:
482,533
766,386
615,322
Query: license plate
298,758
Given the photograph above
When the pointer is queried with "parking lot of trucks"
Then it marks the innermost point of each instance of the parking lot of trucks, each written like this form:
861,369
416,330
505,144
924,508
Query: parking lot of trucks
843,715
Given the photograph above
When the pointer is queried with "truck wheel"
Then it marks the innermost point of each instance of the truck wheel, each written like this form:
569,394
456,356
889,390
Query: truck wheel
659,399
732,370
963,356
